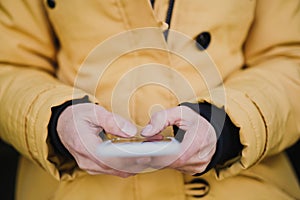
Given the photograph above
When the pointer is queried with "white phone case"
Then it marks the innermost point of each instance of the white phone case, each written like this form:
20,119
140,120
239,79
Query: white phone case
138,149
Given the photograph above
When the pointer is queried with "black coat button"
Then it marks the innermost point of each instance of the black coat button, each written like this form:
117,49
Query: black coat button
197,188
203,40
51,3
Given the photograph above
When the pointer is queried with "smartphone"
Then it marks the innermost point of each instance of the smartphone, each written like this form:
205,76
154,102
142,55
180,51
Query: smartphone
138,147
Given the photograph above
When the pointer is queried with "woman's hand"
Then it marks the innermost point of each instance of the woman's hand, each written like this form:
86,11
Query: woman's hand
198,145
78,128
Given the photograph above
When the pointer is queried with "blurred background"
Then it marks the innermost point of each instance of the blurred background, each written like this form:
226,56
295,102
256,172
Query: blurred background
8,166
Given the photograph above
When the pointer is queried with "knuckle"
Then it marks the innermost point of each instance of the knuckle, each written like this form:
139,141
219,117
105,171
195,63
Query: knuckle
206,160
180,161
199,169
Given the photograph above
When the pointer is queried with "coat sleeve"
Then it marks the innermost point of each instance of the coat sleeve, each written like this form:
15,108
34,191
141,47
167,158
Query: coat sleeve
262,99
28,87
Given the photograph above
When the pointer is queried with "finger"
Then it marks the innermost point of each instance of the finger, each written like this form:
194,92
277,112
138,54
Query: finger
88,164
181,116
130,165
88,141
95,116
175,161
200,137
197,164
115,124
98,167
161,162
157,123
95,169
198,158
161,120
198,146
89,160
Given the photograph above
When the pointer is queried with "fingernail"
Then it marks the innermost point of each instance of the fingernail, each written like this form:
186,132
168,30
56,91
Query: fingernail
146,130
129,129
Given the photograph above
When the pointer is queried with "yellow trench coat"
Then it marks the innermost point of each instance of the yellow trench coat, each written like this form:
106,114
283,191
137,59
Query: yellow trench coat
104,49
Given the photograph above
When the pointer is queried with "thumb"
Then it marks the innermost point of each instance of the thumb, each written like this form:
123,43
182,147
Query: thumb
148,130
180,116
158,122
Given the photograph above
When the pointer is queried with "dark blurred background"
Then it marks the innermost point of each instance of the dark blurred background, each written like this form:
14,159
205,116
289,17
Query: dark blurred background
8,166
294,155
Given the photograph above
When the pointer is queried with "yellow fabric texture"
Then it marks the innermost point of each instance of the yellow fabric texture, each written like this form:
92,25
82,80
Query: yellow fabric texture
48,56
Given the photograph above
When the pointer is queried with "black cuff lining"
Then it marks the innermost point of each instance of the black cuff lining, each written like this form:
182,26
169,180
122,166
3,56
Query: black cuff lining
228,143
52,132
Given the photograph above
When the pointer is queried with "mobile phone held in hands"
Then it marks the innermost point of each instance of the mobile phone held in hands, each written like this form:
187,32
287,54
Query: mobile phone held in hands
138,147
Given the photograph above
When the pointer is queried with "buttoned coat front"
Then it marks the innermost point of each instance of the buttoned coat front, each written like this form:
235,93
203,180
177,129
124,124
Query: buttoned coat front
123,54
